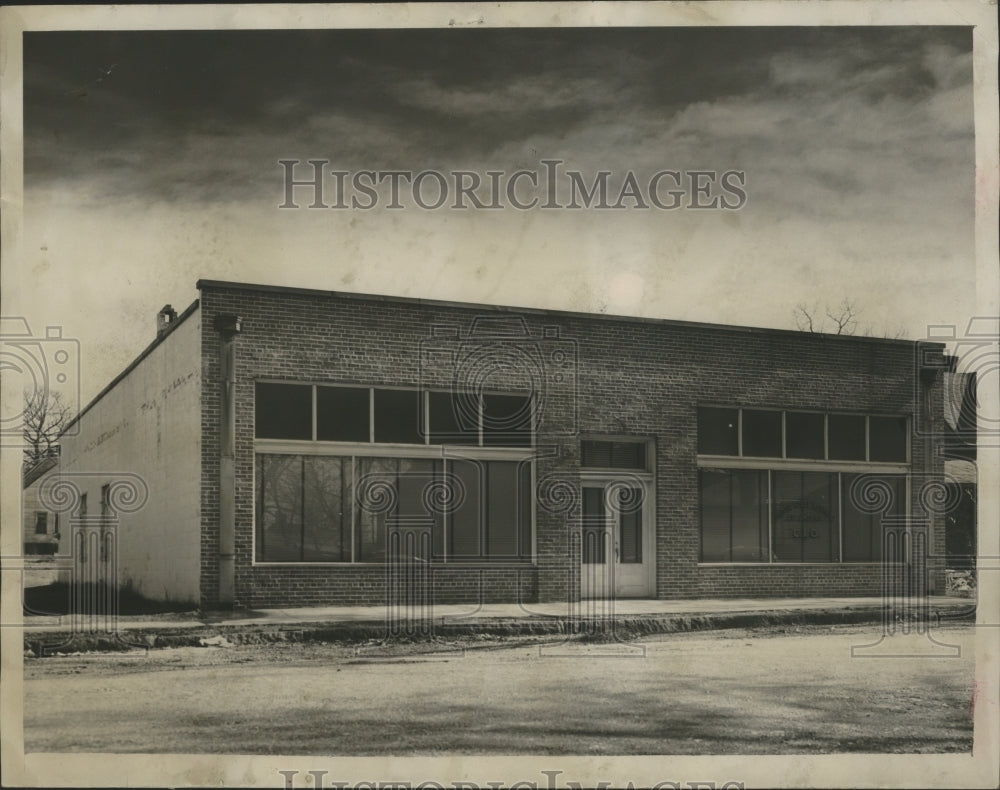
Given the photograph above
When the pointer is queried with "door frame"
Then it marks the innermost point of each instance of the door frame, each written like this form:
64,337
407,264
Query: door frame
647,481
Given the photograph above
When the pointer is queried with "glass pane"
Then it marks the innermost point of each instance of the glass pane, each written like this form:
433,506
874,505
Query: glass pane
525,498
860,533
803,435
762,433
594,526
437,538
411,520
415,475
805,517
278,529
628,455
847,437
863,533
454,418
630,526
749,513
786,517
819,517
715,514
717,431
283,411
595,454
465,520
502,509
371,527
507,420
398,416
887,438
598,454
342,414
327,510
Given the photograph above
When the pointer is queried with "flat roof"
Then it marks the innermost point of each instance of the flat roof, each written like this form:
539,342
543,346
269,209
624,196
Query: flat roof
347,295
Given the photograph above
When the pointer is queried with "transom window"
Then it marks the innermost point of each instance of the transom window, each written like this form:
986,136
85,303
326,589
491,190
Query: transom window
383,415
624,454
804,435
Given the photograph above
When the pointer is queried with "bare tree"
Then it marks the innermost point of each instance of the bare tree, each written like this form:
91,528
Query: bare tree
803,315
843,317
839,320
46,415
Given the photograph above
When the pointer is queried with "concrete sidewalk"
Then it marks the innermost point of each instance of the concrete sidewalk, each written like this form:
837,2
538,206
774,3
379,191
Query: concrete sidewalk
641,616
618,608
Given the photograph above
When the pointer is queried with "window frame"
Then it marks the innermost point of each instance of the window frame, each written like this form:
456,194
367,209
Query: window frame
781,431
865,417
771,465
837,468
315,410
355,450
424,427
906,434
312,404
770,519
826,437
649,453
372,449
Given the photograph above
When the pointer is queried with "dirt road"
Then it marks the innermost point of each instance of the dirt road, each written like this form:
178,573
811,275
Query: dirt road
724,692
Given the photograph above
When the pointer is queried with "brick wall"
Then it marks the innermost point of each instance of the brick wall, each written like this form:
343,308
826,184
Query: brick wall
367,585
776,581
631,377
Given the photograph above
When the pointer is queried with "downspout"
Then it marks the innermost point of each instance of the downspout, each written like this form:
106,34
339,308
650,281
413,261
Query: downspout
228,326
932,364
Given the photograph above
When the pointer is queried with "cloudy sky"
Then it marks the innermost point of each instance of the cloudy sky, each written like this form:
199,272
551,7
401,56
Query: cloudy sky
151,159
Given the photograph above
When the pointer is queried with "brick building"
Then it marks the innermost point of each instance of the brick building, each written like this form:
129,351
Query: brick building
300,447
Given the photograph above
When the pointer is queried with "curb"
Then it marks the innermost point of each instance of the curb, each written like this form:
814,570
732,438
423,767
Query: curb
598,629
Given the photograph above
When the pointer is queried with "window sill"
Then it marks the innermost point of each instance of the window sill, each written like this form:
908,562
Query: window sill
801,464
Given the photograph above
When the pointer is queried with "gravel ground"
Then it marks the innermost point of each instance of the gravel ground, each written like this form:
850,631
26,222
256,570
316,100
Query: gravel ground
760,691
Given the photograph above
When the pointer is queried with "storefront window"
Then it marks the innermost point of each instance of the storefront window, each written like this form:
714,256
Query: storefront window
313,508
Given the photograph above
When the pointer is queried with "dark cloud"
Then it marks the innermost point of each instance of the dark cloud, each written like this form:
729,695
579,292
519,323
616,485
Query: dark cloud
206,114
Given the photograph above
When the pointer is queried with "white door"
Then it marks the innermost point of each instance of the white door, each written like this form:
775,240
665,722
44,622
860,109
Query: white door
616,559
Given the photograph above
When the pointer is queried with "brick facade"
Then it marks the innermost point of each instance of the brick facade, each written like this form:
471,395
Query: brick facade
632,377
